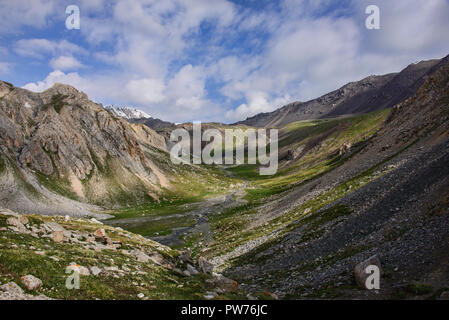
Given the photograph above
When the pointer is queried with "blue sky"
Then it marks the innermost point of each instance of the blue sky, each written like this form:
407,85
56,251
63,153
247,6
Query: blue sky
213,60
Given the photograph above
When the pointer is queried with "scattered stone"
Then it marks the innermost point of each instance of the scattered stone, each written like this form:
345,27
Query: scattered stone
80,269
360,270
186,273
57,236
140,256
67,234
67,218
23,219
191,269
93,220
220,281
185,257
53,226
100,233
95,271
141,295
15,222
101,236
11,287
158,259
205,266
31,282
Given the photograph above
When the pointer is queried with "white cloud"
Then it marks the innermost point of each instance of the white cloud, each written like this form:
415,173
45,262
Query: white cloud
146,91
65,63
38,48
18,13
72,79
258,102
160,60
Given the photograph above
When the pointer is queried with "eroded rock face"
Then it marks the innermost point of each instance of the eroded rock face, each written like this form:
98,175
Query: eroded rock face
62,134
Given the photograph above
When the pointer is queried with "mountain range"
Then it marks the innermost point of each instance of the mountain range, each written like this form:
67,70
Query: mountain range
370,94
363,179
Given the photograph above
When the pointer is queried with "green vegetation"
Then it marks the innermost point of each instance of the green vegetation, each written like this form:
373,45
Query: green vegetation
18,258
232,227
8,84
2,165
161,227
57,185
57,102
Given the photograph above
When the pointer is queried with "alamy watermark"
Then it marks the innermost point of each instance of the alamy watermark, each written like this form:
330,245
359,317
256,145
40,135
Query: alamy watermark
73,280
372,22
189,149
73,20
372,282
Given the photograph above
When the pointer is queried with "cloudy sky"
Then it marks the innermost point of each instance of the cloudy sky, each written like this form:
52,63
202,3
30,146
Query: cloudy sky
213,60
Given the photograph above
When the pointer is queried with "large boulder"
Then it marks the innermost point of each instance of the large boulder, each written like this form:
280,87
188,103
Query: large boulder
11,287
31,282
17,226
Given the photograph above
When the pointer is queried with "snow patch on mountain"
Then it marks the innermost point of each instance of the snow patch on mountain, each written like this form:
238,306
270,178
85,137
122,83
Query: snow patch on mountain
128,112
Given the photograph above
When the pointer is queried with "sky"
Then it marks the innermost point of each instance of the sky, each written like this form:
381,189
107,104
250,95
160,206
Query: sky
213,60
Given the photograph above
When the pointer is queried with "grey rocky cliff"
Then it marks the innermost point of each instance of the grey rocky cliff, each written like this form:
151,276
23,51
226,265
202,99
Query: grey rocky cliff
61,134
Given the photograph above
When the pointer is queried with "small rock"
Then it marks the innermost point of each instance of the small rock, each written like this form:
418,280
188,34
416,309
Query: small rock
67,234
57,236
101,236
80,269
100,233
14,222
205,266
219,281
191,269
140,256
53,226
185,257
67,218
158,259
141,295
23,220
31,282
250,297
93,220
95,271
